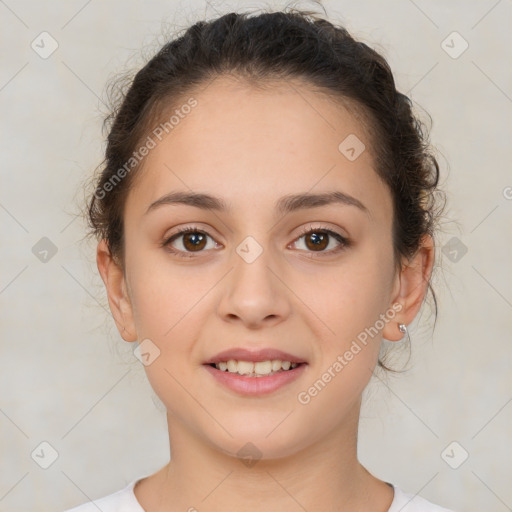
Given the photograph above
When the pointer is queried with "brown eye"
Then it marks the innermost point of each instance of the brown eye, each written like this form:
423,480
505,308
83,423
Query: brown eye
187,241
194,241
318,240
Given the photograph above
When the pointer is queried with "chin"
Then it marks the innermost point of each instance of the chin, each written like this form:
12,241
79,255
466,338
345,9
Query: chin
261,440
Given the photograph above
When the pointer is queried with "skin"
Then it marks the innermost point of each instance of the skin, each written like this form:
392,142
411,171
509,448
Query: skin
265,144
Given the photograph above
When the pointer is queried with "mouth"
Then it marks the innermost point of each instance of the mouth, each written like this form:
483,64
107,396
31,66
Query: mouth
254,363
255,369
255,372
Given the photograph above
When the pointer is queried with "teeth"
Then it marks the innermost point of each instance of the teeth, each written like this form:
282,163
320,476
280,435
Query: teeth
263,367
245,367
276,365
259,369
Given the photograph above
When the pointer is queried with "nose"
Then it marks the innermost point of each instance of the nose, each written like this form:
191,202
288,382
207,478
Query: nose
254,292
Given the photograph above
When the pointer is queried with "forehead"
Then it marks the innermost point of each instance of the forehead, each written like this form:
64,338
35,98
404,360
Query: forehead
252,145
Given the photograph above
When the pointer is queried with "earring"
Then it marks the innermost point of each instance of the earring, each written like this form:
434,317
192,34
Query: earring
402,328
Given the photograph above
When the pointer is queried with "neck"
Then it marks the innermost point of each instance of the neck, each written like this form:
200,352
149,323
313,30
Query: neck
324,476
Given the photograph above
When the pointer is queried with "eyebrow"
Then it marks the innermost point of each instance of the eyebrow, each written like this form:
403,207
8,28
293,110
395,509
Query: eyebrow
286,204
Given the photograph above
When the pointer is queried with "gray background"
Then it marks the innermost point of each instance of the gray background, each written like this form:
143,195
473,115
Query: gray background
66,376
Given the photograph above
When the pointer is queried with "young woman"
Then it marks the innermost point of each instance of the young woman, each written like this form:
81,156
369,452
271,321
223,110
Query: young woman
265,217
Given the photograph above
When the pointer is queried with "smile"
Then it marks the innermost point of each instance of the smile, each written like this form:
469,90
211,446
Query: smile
255,378
255,369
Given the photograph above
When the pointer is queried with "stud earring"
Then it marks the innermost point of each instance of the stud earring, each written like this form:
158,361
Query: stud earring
402,328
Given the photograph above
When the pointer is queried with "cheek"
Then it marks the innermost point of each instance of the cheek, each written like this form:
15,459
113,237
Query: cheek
351,302
358,302
163,294
351,306
169,305
351,296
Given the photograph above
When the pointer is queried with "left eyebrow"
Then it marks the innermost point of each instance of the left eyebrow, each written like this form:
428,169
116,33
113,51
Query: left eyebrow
286,204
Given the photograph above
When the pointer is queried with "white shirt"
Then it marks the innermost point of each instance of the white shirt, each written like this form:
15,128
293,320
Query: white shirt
125,501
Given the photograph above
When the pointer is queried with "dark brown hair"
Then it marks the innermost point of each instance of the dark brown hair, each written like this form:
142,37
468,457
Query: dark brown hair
286,45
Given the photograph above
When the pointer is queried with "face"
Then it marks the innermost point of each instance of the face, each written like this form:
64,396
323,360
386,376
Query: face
306,280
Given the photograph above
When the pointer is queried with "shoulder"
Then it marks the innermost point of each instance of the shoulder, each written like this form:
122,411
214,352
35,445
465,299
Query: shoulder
123,500
404,502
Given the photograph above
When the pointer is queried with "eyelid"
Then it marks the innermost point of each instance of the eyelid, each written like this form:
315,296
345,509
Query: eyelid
322,227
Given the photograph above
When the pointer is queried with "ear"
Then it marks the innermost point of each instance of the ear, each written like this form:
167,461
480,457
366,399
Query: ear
411,288
118,298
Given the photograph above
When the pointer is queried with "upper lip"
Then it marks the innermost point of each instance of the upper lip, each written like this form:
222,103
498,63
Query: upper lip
263,354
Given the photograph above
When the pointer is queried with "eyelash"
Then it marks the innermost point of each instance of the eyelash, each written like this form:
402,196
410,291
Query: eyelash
344,242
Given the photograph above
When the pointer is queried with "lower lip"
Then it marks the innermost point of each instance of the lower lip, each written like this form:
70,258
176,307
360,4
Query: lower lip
256,385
